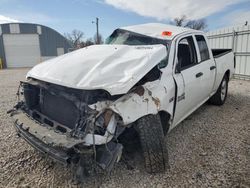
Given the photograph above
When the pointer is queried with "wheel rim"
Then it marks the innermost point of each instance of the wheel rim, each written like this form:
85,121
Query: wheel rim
223,89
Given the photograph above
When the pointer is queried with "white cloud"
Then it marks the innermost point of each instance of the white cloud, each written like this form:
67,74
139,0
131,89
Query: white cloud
5,19
169,9
32,17
28,17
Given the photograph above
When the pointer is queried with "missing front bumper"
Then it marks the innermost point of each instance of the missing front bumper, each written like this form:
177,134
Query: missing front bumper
53,153
59,146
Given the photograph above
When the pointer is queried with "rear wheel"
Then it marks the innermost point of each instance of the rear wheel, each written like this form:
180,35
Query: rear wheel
152,143
220,96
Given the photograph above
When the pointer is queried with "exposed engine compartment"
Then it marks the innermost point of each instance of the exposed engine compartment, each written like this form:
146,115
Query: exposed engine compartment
65,109
58,122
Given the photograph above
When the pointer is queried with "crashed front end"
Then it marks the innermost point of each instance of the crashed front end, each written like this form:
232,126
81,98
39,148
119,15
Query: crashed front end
75,106
59,122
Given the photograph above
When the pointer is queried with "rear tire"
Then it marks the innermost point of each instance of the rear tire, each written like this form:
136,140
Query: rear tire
220,96
153,144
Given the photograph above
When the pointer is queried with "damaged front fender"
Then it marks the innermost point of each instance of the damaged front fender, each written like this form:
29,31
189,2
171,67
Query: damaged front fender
141,101
133,106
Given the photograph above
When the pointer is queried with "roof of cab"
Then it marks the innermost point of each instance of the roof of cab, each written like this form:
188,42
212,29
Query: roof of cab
156,30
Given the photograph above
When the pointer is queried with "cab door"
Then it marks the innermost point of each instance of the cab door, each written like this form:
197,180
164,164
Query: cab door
188,78
206,61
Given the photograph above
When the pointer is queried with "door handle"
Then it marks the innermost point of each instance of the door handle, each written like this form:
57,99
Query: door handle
212,68
199,74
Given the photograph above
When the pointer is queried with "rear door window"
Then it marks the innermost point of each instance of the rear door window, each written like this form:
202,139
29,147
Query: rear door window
204,53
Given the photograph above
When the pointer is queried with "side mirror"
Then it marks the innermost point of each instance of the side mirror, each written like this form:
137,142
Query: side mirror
163,63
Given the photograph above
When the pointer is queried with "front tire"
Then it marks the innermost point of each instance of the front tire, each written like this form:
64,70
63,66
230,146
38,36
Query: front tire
153,144
220,96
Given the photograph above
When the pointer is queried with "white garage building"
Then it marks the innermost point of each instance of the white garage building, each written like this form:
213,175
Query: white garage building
25,45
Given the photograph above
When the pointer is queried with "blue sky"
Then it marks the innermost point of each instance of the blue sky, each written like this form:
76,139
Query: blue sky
66,15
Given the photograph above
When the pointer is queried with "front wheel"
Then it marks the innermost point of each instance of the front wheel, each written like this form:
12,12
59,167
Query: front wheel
152,143
220,96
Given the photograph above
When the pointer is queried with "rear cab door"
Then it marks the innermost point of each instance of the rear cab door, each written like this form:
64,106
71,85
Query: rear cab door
205,58
193,77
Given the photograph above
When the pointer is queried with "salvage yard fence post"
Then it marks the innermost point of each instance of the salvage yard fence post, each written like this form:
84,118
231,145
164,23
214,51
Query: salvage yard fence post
238,39
1,63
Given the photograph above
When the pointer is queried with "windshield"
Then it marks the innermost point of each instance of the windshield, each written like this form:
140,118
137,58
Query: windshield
120,36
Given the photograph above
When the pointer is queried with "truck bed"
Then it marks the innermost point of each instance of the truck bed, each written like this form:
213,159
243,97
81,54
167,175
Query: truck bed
220,52
224,59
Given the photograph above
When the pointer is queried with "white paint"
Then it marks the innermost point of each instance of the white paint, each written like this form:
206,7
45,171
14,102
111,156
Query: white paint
132,106
14,28
155,30
199,90
21,50
223,63
115,68
60,51
39,29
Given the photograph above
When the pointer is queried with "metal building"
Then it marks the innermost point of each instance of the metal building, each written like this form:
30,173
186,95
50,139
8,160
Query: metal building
238,39
25,44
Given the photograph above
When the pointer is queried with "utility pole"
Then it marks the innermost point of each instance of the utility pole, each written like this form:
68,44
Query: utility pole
97,30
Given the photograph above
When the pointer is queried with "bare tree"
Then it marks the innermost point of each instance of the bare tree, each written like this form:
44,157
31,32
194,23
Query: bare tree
179,21
199,24
75,38
89,42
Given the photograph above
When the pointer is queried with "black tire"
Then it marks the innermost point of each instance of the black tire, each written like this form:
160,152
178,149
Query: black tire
153,144
218,98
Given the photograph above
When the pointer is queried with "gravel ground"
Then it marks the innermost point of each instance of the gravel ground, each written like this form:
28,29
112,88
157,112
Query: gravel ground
211,148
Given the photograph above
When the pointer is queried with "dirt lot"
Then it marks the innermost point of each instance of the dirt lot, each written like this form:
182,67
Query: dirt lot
211,148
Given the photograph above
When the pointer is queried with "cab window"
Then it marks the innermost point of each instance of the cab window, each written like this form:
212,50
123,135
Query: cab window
186,53
204,53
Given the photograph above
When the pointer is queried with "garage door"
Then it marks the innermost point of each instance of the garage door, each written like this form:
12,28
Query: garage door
21,50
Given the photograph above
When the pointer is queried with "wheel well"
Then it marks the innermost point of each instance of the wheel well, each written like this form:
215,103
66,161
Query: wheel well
165,117
227,74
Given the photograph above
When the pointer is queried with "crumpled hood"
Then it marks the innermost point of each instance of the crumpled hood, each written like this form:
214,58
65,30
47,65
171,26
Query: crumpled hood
114,68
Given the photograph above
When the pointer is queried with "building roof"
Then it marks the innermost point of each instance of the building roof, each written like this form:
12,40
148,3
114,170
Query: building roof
155,30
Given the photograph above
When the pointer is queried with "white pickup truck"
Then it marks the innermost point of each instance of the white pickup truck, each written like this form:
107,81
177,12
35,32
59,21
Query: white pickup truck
148,77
